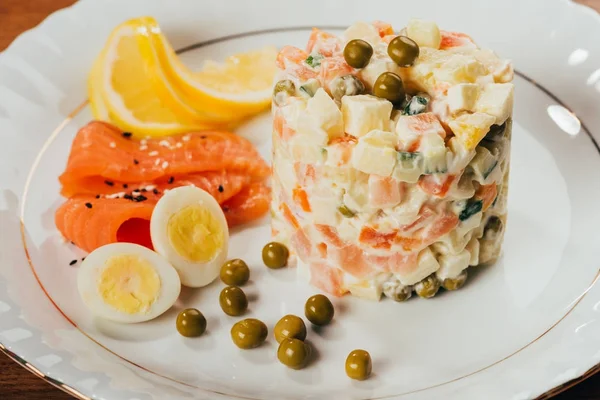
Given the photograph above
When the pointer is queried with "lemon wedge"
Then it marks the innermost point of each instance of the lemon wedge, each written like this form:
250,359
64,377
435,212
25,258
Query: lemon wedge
235,89
128,87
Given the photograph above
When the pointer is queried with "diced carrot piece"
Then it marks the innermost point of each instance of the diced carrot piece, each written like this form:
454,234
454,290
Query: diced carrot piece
328,279
455,39
430,185
289,216
425,213
384,191
328,43
332,68
322,248
384,28
408,244
488,194
330,233
444,224
375,239
301,198
301,244
290,54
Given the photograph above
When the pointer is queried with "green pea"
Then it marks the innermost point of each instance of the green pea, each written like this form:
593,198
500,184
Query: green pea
290,327
428,287
389,86
233,301
403,51
319,310
275,255
249,333
359,365
455,283
293,353
191,323
235,272
358,53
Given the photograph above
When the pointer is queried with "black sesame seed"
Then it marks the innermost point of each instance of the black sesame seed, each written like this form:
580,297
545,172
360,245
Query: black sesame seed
73,262
155,191
127,134
125,186
171,180
140,198
203,137
109,183
88,205
128,196
143,190
221,189
136,162
72,242
97,196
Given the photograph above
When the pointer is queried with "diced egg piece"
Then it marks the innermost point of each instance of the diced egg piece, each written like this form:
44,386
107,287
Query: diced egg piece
189,229
128,283
471,128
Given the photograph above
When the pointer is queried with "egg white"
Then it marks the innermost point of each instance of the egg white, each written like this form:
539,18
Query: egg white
192,274
94,264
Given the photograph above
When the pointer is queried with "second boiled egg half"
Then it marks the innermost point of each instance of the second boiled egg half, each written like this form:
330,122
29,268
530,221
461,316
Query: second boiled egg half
189,229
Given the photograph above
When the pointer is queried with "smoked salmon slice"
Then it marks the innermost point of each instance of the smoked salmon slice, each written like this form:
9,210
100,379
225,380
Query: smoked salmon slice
113,182
251,203
102,153
91,222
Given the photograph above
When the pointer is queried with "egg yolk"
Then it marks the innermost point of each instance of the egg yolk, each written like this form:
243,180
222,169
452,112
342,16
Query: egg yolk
195,233
129,284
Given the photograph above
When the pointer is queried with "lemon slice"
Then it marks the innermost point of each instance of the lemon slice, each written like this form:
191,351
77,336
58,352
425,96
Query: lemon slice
237,88
133,88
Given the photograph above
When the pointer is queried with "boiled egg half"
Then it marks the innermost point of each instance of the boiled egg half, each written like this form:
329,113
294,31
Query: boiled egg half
125,282
189,229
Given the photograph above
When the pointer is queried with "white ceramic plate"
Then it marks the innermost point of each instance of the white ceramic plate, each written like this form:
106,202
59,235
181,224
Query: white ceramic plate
517,330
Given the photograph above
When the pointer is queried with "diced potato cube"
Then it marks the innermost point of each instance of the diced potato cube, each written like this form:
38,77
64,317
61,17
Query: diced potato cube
326,114
364,113
460,68
424,33
369,74
324,210
496,99
364,31
471,128
427,265
451,265
462,97
375,153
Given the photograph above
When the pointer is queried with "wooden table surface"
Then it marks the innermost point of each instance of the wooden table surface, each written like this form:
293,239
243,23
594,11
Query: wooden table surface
16,383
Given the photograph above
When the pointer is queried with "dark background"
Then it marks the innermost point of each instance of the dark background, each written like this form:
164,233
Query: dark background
16,383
